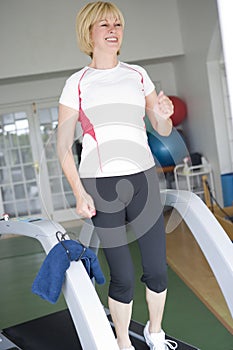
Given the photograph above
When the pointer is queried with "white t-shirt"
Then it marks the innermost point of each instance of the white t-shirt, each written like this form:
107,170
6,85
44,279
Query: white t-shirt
111,106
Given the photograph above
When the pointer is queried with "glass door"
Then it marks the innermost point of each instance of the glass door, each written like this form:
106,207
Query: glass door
31,179
19,191
56,194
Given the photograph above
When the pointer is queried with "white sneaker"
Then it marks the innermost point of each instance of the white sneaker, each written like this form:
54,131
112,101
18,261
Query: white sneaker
157,341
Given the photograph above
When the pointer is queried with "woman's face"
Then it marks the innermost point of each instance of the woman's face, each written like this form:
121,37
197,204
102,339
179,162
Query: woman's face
107,35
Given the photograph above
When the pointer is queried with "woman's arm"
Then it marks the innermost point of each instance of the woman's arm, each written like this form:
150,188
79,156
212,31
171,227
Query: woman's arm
67,119
159,109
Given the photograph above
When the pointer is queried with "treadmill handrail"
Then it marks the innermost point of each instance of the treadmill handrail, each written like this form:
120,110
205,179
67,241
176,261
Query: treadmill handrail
209,234
86,310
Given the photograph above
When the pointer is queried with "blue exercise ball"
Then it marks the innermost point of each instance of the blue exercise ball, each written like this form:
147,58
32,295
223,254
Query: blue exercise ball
167,150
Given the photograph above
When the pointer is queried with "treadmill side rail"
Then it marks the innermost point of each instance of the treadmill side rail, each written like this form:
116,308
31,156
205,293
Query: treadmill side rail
91,323
209,234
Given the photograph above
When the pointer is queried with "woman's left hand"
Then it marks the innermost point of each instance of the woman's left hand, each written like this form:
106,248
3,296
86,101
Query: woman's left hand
164,107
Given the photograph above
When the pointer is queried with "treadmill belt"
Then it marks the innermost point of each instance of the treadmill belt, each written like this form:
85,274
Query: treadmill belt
52,332
57,332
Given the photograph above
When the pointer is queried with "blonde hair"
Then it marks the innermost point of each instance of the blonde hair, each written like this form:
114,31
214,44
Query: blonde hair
90,14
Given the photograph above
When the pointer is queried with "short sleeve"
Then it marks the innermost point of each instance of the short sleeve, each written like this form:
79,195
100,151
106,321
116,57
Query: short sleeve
147,82
69,96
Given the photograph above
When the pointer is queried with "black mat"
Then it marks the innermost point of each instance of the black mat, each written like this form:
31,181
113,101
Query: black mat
57,332
52,332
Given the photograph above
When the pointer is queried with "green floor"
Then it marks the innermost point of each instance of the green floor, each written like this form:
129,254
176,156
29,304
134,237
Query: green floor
185,316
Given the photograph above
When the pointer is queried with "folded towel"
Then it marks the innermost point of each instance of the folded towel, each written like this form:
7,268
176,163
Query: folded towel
49,280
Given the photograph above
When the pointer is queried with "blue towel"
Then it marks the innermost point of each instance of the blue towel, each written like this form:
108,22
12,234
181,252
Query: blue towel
49,280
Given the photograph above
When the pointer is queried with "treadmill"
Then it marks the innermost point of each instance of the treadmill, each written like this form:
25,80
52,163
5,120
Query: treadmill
85,324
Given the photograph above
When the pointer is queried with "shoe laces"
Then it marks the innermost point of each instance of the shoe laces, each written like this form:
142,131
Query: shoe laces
169,344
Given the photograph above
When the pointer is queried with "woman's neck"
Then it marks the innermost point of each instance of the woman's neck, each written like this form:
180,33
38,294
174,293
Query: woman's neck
104,62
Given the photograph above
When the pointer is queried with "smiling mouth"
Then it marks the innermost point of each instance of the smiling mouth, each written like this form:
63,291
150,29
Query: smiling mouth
112,39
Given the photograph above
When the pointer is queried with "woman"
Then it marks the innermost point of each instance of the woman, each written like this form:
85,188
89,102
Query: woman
116,181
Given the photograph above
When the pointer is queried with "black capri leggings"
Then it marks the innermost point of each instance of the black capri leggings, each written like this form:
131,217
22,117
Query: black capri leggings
134,200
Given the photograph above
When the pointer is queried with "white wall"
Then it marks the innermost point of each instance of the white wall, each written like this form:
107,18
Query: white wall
39,36
220,103
30,91
163,73
198,20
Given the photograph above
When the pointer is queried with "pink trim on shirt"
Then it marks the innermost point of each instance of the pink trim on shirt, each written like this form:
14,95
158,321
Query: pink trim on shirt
86,124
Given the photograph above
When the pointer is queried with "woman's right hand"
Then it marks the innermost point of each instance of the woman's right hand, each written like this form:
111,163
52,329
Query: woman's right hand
85,205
